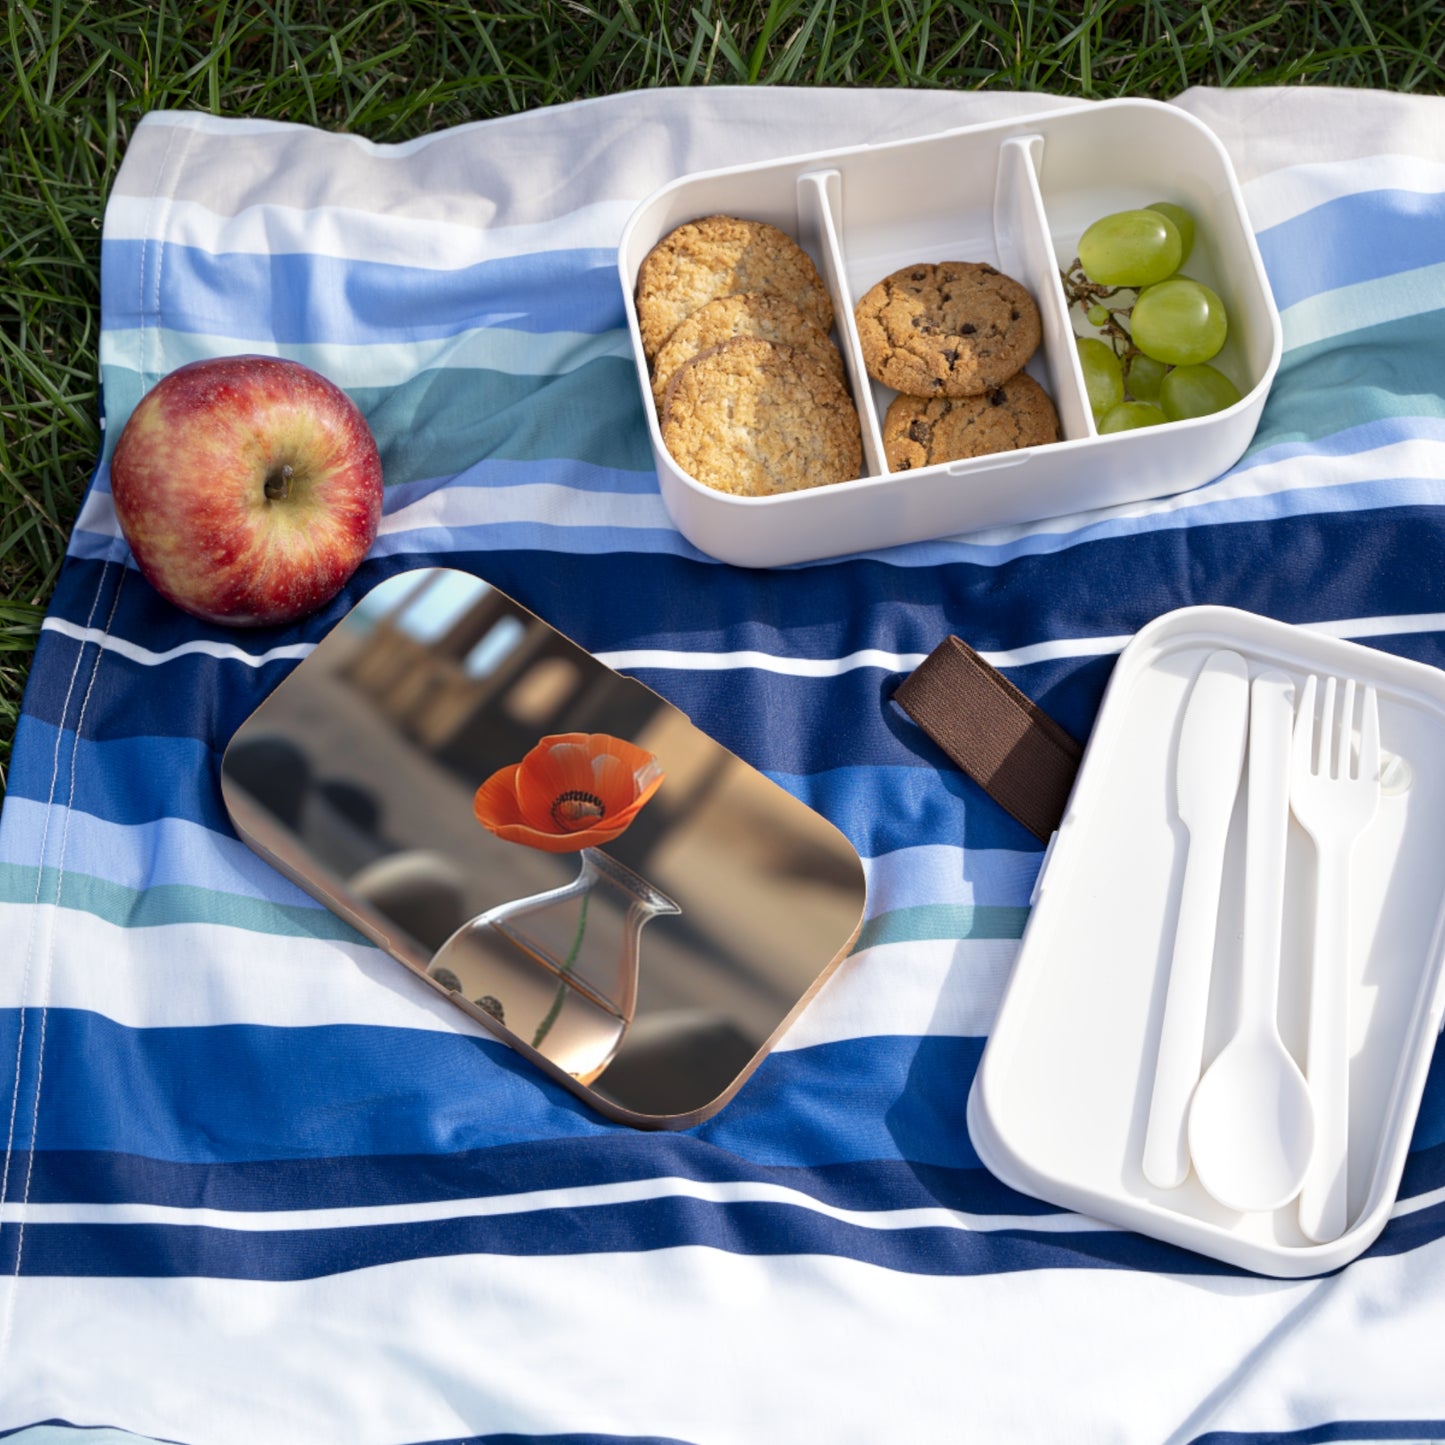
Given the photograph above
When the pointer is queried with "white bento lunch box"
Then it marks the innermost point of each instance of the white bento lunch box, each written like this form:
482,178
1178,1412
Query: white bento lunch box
1061,1102
1016,195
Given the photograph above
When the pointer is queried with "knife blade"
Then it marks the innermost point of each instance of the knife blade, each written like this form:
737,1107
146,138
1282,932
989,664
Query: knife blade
1208,765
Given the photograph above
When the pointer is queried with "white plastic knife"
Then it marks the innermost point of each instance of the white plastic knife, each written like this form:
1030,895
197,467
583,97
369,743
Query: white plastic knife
1210,760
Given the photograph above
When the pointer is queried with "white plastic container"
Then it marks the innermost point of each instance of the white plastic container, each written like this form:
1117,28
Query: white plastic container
1060,1104
1016,195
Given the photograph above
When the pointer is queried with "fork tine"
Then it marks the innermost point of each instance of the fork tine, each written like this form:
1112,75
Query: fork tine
1344,745
1327,728
1304,728
1370,737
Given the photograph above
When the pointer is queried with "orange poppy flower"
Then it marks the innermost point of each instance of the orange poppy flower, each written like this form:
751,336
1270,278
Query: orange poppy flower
572,791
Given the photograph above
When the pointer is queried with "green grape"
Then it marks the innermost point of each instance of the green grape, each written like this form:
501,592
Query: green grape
1196,391
1129,415
1098,315
1179,322
1130,248
1183,223
1144,376
1103,376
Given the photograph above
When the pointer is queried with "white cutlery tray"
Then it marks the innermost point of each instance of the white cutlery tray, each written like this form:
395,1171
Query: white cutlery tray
1060,1104
1016,195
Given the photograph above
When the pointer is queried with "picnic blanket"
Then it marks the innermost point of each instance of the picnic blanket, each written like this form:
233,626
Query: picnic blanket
260,1184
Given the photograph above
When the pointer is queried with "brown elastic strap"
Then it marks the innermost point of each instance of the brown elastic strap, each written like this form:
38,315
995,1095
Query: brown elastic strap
1011,748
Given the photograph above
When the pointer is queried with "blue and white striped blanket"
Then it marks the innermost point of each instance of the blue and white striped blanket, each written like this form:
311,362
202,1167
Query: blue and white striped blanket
259,1185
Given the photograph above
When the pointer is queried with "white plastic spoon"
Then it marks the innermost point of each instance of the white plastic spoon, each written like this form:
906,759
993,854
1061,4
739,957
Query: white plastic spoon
1251,1121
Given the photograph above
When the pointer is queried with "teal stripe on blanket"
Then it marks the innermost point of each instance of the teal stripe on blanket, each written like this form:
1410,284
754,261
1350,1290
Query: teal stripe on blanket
1374,374
175,903
167,903
442,422
926,922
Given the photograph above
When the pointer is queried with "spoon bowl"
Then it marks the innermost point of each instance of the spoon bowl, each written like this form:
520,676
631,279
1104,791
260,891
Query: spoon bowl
1251,1124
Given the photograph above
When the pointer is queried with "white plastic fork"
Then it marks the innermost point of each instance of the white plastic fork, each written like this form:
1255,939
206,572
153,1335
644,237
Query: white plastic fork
1334,796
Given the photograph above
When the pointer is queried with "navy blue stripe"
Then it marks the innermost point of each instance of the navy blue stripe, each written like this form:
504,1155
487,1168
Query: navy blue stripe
1424,1170
1430,1126
1339,565
508,1438
1410,1231
207,697
85,596
567,1439
570,1438
351,1115
879,811
233,1092
195,696
1417,1432
758,1230
149,772
299,297
1353,238
564,1439
813,611
1342,565
59,1176
192,697
145,779
204,1094
753,1228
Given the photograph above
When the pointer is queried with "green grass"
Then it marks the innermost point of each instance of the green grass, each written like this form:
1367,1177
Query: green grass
76,77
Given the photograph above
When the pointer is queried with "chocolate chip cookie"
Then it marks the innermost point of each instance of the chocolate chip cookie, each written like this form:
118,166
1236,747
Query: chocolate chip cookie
717,256
752,417
955,328
749,313
918,432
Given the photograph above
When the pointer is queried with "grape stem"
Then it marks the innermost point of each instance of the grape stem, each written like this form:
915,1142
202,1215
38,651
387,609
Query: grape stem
1086,295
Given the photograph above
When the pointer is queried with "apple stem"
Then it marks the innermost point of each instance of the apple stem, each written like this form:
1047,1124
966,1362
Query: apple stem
278,484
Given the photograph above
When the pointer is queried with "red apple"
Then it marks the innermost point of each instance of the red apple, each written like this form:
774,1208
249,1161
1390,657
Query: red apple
248,488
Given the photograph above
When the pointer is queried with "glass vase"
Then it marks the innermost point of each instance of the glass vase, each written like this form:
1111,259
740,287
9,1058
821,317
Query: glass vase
559,970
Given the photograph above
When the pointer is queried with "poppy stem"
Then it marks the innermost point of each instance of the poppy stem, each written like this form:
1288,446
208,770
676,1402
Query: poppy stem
545,1027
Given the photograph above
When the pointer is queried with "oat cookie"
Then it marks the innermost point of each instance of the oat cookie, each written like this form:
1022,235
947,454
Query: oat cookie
716,256
748,313
918,432
752,418
956,328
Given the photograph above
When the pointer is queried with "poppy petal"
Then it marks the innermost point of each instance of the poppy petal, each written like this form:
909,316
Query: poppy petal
558,842
613,782
495,803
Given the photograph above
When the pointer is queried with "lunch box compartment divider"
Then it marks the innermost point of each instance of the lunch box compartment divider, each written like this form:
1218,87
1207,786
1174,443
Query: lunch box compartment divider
1014,237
